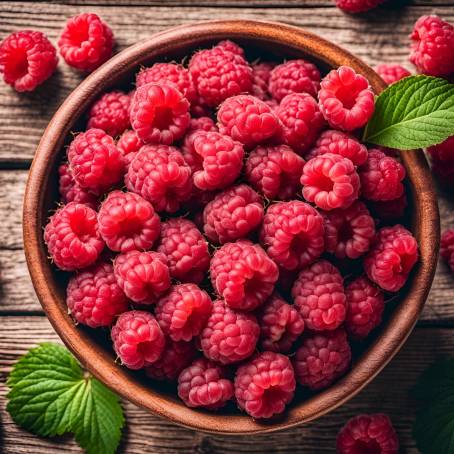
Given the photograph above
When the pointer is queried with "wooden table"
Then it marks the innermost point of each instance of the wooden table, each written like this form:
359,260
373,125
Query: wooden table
379,36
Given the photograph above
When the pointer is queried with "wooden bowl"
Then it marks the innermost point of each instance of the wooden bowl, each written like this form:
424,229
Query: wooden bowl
93,350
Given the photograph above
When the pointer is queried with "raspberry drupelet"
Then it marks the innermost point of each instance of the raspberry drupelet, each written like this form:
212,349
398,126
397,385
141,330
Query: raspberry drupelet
265,385
93,296
232,214
230,46
229,336
202,123
137,339
322,359
71,191
86,42
143,276
27,59
346,99
292,234
442,158
205,384
391,73
447,247
260,77
243,274
72,237
129,144
357,6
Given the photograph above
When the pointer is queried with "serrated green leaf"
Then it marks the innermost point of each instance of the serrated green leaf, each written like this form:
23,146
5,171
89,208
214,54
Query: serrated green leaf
415,112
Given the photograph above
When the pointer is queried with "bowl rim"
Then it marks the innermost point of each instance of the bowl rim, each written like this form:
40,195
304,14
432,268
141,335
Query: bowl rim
373,360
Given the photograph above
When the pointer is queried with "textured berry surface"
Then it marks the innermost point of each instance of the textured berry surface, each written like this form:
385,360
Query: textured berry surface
391,73
229,336
447,247
71,191
129,144
138,339
260,77
231,47
27,59
357,6
202,123
442,157
265,385
243,274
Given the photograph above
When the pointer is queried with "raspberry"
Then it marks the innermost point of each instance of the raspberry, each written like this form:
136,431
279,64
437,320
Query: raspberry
368,434
292,233
322,359
330,181
294,76
129,144
301,121
442,157
340,143
200,109
391,258
160,175
159,113
137,339
202,123
229,336
27,59
143,276
175,357
70,190
365,305
185,249
204,384
280,325
389,209
357,6
265,385
110,113
444,171
94,297
349,232
128,222
345,99
432,50
247,119
219,74
447,247
86,42
381,177
94,161
318,292
168,73
391,73
260,77
72,237
274,171
183,312
243,274
232,214
231,47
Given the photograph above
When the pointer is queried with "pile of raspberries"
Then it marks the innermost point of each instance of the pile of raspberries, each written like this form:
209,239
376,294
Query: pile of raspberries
235,258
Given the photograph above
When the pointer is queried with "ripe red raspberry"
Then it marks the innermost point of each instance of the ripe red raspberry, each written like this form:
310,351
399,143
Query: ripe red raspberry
143,276
442,157
301,121
185,249
204,384
232,214
202,123
346,99
72,237
93,296
274,171
349,232
432,50
247,119
322,359
260,77
27,59
128,222
357,6
389,210
71,191
95,161
368,434
183,312
229,336
330,181
447,247
243,274
231,47
294,76
365,305
129,144
292,233
340,143
319,294
381,177
391,73
159,113
391,258
219,74
265,385
137,339
160,175
86,42
280,325
110,113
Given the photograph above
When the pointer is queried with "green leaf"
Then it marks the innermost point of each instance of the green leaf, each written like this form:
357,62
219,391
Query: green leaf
50,395
415,112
